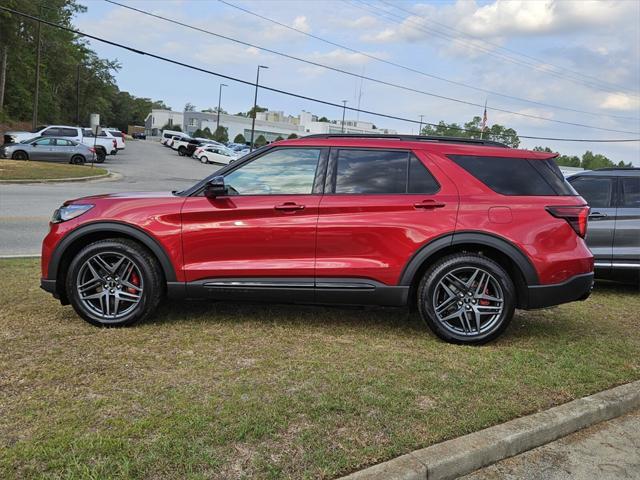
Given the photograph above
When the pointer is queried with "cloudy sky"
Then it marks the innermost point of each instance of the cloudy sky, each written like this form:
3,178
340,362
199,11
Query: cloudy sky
553,63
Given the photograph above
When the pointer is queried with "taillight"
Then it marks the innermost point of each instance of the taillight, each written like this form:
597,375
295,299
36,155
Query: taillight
115,144
92,150
122,133
575,216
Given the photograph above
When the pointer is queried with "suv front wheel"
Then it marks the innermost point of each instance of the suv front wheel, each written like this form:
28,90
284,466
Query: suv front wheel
114,282
466,298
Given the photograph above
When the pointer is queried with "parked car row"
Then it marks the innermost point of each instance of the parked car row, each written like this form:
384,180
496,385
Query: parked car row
62,142
203,149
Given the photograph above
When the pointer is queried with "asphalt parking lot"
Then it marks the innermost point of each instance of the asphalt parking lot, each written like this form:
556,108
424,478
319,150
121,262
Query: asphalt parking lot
145,165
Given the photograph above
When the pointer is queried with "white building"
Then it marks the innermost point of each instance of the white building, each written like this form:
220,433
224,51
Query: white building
158,118
270,124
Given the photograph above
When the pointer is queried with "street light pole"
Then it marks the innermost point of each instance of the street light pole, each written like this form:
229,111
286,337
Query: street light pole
78,96
36,93
420,131
344,108
219,101
255,105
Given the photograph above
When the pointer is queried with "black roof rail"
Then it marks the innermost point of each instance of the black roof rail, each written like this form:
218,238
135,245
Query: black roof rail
411,138
605,169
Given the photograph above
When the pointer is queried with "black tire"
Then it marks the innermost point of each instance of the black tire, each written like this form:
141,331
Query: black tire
20,155
150,282
182,151
77,160
101,155
460,329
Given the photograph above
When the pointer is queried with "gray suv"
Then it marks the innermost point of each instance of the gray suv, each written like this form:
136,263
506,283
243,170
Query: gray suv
613,233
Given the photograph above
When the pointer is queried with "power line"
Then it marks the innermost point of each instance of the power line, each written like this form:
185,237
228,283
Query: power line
545,63
421,72
418,26
371,79
284,92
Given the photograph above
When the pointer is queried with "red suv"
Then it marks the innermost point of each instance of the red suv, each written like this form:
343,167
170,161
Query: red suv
467,230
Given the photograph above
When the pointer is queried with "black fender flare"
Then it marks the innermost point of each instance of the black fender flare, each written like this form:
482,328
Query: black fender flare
111,227
470,237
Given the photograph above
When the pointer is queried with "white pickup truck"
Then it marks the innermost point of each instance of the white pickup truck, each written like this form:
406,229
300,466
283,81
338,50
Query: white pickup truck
104,145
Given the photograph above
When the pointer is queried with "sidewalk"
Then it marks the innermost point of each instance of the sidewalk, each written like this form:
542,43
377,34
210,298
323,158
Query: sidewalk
606,451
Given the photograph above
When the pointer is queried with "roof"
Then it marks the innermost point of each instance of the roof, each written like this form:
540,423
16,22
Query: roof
439,145
608,172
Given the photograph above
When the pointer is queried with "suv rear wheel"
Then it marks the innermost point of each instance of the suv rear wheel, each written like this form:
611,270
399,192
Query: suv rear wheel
466,298
114,282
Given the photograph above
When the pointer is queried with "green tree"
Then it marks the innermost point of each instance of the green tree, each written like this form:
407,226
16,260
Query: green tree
215,110
257,108
207,133
292,136
170,126
472,129
260,141
278,138
198,134
189,107
239,139
323,119
221,134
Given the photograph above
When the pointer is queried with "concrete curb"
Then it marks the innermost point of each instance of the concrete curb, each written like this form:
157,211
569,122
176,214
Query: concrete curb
459,456
61,180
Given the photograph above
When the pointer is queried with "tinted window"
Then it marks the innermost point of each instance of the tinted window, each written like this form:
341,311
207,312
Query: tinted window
630,192
595,190
285,171
115,134
51,132
516,176
371,171
68,132
61,142
46,141
420,180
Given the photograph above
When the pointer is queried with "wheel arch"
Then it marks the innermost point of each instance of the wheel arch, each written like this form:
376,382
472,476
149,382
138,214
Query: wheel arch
510,257
26,154
75,240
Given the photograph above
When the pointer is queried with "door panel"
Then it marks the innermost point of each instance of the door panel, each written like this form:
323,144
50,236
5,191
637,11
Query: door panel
373,236
249,236
599,192
626,243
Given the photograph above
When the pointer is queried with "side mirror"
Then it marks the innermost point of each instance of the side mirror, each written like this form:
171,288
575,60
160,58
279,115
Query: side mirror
34,144
215,187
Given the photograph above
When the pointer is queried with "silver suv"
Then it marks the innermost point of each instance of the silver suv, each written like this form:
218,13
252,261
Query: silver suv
613,233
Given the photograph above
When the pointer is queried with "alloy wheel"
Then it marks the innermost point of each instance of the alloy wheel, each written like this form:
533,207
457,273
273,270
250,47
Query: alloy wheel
110,285
468,301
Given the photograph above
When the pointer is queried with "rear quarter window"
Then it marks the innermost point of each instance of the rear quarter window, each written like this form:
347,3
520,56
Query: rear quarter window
516,176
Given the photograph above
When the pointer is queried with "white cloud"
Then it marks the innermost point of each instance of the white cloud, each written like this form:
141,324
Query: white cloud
620,101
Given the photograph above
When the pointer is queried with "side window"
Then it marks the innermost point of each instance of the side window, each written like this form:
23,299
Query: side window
595,190
61,142
45,141
51,132
68,132
420,179
279,172
371,171
630,192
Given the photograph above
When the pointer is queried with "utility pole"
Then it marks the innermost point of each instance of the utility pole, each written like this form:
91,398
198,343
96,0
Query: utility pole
37,86
420,131
255,105
344,108
219,101
78,96
3,75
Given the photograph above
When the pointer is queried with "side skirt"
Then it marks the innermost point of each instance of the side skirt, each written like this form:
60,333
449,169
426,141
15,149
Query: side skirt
332,291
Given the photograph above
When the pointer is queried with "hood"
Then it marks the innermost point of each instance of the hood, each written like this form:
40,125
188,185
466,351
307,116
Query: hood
122,196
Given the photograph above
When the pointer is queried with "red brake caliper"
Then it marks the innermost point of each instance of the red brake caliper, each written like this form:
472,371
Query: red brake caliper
135,280
482,300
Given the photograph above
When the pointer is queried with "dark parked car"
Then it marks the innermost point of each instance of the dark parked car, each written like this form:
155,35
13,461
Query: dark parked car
614,222
139,136
466,230
50,149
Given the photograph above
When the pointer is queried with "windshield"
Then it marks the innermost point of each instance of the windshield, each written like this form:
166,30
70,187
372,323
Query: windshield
37,129
30,140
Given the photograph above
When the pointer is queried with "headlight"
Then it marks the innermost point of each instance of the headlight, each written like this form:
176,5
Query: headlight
68,212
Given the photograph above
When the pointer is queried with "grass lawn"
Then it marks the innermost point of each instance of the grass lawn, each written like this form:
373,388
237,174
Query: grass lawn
21,170
215,390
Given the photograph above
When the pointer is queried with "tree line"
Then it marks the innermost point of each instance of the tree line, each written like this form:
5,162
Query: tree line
74,82
508,136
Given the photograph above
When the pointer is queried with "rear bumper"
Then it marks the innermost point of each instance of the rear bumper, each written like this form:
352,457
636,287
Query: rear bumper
575,288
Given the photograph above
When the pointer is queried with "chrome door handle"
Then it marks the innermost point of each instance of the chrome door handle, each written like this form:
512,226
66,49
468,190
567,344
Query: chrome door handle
597,215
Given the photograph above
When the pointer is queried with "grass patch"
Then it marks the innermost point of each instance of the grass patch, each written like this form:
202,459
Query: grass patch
29,170
215,390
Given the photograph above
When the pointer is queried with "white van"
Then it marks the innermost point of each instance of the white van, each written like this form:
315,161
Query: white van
168,134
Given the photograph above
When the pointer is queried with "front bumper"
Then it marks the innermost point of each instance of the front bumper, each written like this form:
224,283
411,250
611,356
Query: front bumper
575,288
